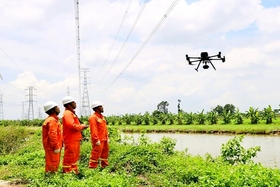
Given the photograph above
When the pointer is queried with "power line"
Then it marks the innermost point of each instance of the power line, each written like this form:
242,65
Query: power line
169,10
128,35
15,64
121,24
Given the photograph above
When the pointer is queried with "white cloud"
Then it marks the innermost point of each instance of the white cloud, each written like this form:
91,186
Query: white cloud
38,42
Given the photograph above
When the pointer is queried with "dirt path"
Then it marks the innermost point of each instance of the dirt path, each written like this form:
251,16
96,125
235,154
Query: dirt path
7,184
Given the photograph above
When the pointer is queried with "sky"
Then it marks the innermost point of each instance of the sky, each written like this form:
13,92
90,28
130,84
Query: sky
133,55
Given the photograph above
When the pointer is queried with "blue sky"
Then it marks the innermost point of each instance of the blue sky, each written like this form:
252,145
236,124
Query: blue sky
140,69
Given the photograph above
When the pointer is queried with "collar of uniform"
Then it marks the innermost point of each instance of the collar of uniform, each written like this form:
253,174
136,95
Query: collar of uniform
54,116
98,114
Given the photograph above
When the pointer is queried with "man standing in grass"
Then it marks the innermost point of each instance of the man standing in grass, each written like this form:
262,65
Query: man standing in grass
52,137
72,136
99,137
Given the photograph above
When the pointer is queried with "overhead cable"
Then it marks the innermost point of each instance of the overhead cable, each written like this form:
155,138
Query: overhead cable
128,35
15,64
169,10
121,24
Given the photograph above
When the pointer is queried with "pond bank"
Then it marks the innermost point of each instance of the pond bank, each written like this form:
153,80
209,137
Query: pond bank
203,129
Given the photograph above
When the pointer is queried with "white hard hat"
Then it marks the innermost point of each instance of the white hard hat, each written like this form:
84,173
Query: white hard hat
49,105
96,104
67,99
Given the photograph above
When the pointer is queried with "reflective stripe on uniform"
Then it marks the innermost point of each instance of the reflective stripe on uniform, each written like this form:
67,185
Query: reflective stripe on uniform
66,166
93,160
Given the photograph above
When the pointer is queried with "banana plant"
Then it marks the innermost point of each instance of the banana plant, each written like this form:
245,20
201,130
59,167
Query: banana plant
238,117
268,115
253,114
201,118
226,116
212,117
188,118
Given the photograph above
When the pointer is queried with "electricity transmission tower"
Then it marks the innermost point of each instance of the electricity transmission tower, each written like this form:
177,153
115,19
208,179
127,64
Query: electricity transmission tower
30,112
85,111
83,78
1,107
40,115
76,2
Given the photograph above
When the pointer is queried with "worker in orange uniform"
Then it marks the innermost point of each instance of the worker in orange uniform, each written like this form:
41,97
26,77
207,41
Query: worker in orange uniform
72,136
52,137
99,137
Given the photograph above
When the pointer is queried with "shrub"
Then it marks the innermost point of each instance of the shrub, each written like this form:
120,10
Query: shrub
11,138
234,153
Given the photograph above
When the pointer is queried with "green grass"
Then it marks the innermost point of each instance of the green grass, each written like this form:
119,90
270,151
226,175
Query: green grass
145,163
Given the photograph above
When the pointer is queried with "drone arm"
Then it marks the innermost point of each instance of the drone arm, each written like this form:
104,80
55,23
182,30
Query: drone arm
213,56
212,64
198,65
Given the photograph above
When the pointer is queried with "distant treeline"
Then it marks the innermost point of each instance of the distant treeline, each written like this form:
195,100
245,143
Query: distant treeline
161,116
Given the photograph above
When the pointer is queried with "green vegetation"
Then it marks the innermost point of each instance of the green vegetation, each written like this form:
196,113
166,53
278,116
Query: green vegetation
135,163
208,129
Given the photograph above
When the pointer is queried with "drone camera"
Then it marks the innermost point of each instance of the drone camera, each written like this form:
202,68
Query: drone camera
205,66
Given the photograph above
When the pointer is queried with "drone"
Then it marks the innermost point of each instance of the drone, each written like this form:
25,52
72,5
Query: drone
205,59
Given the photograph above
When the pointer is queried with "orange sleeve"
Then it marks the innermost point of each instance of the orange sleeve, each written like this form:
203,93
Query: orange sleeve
93,129
53,136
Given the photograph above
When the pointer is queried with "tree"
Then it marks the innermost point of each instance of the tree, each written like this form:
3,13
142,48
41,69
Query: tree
219,109
163,107
229,107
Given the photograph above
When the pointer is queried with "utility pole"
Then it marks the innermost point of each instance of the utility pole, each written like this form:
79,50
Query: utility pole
1,107
85,111
30,113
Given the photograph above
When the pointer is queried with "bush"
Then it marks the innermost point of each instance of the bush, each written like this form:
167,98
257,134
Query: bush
234,153
11,138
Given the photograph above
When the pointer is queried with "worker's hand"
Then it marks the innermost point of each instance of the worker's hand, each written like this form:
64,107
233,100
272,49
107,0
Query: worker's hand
85,126
108,140
97,143
57,151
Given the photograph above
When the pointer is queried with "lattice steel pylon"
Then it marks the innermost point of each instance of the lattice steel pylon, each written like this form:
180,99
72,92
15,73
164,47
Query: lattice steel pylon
30,112
1,107
85,106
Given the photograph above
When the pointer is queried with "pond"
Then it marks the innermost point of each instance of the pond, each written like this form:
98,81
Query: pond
200,144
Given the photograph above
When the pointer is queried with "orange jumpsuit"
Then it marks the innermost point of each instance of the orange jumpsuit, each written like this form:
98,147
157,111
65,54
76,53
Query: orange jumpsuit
52,140
98,132
71,138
